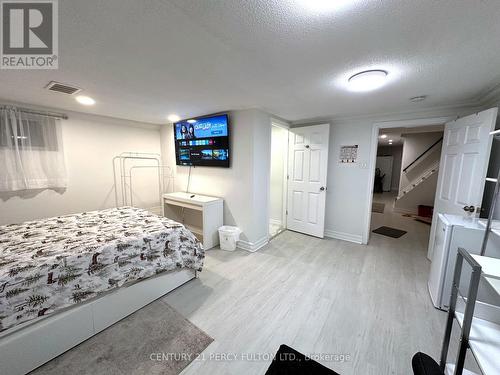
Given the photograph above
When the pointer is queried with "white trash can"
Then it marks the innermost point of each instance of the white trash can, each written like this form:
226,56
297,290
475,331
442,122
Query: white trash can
228,236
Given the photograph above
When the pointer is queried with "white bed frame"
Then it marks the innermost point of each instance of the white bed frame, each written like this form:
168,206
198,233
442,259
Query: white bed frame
28,346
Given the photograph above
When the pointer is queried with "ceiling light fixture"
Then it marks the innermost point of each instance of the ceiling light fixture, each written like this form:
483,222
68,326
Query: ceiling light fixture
85,100
390,140
383,136
367,80
192,121
173,118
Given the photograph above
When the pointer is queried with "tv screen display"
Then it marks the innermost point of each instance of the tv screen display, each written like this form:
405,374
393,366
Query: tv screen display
202,141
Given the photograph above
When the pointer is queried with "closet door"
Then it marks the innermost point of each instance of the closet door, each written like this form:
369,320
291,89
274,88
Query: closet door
307,174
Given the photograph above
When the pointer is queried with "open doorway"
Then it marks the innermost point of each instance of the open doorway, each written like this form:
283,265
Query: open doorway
406,175
462,169
458,190
278,180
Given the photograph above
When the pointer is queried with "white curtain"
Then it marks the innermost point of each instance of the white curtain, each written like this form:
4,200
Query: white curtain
31,151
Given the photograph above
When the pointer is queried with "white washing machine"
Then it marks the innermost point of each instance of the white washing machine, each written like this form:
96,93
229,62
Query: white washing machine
452,232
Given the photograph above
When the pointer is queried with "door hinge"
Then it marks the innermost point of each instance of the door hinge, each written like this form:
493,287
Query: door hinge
287,177
286,212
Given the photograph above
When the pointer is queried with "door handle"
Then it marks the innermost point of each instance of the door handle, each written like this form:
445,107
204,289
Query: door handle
322,188
307,146
470,209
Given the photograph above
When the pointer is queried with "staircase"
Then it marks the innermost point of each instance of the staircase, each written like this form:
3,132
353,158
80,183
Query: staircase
433,169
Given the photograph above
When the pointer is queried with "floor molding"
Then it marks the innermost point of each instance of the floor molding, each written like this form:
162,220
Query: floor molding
356,238
405,211
252,246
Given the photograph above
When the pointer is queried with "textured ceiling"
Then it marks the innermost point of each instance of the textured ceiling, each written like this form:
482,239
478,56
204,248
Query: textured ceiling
397,134
142,60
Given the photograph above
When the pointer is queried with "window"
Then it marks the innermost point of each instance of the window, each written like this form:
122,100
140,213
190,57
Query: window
31,153
30,132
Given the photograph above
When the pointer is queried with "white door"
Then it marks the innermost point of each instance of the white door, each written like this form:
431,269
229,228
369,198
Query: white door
307,170
384,163
463,166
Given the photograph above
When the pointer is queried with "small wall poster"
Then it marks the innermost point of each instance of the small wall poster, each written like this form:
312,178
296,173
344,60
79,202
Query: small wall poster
348,154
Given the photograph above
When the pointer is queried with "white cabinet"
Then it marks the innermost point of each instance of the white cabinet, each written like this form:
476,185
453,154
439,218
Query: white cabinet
439,260
201,214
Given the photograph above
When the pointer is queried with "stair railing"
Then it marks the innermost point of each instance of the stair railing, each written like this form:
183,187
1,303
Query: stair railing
422,154
423,176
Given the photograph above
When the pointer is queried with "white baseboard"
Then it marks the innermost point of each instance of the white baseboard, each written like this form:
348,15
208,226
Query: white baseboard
356,238
252,246
275,222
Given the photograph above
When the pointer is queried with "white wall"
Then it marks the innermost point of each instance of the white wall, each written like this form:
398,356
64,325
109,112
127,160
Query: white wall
261,172
90,143
245,185
279,147
347,183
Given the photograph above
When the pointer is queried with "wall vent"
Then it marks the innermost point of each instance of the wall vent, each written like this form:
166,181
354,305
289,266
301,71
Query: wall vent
62,88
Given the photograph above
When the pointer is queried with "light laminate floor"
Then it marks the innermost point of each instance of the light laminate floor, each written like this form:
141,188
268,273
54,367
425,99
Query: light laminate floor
368,303
274,229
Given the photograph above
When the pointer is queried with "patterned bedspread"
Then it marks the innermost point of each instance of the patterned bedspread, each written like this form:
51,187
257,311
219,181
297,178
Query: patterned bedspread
50,264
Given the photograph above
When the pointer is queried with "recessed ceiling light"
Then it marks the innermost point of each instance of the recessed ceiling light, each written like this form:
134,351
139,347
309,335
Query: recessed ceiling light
173,118
417,99
383,136
192,121
85,100
390,140
368,80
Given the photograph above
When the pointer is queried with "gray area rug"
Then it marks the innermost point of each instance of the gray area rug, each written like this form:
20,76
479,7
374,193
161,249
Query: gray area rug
154,340
378,207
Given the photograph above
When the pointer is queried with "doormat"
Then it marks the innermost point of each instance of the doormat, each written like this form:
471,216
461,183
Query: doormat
378,207
290,362
390,232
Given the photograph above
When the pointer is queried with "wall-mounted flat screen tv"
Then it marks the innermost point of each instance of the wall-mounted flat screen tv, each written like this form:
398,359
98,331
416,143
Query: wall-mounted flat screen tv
202,141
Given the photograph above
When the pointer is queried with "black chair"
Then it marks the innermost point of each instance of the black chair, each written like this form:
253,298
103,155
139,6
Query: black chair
288,361
422,364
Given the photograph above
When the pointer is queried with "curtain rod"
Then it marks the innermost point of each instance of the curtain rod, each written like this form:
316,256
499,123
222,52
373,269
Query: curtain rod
30,111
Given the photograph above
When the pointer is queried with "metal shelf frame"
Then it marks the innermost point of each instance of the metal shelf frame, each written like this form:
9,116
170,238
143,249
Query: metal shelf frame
469,310
123,175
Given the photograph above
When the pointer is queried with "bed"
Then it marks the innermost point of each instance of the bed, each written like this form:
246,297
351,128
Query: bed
64,279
